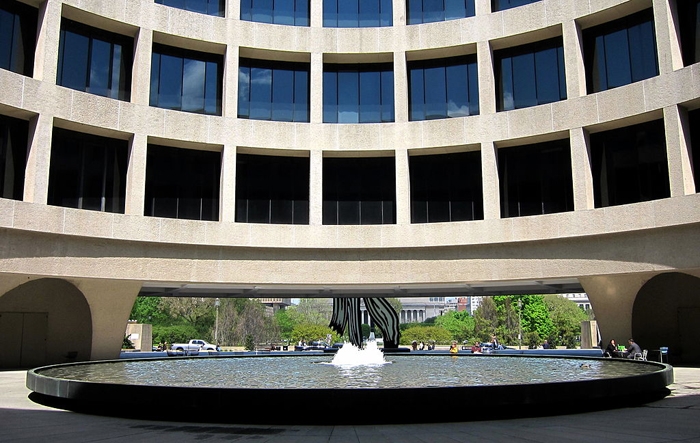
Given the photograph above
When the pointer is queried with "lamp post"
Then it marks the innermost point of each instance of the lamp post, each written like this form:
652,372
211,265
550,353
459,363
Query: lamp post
217,302
520,324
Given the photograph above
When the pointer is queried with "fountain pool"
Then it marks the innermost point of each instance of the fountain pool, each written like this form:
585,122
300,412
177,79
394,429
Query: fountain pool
403,388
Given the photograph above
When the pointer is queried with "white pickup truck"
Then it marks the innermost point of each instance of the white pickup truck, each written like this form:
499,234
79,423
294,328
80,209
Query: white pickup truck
192,347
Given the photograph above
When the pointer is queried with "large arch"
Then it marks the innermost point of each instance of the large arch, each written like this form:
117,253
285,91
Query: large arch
44,321
666,313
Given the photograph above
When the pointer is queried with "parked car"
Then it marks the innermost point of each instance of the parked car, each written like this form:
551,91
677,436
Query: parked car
312,346
193,347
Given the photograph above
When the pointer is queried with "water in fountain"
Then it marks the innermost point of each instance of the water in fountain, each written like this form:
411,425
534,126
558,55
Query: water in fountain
351,355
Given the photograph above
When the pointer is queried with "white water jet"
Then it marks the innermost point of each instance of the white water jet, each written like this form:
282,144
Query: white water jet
351,355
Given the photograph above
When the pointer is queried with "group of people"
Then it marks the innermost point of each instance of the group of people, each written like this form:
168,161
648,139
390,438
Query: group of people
631,351
422,346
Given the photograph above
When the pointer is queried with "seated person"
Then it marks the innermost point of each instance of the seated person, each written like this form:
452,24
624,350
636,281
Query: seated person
476,348
611,349
633,349
453,348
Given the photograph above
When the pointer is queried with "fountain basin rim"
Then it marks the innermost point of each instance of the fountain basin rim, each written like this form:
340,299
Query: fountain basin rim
253,405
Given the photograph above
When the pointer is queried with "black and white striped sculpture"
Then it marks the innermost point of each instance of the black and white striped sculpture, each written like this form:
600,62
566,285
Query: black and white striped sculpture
346,316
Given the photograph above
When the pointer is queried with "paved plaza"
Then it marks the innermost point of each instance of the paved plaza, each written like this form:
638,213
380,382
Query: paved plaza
675,418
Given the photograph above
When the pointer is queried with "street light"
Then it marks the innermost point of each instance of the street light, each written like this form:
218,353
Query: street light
216,324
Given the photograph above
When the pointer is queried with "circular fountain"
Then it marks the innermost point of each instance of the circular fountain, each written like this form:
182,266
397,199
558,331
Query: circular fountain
381,389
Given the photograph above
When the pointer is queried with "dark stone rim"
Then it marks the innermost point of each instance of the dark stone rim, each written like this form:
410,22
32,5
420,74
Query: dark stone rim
348,406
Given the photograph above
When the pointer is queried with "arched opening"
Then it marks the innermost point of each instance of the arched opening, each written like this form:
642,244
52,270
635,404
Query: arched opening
666,313
43,322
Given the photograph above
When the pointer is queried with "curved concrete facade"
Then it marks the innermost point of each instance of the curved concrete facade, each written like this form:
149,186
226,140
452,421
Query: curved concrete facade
611,252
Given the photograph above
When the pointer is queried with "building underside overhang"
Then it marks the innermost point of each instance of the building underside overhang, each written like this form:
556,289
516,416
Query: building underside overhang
520,287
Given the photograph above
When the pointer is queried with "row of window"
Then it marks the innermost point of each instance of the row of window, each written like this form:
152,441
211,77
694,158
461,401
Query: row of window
100,62
343,13
629,165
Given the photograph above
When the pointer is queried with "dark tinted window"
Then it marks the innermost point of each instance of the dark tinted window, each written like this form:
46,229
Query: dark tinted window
282,12
500,5
427,11
446,187
13,156
620,52
94,61
272,189
273,90
87,171
17,37
694,124
359,191
357,13
443,88
629,164
358,93
182,183
209,7
186,80
535,179
530,75
689,21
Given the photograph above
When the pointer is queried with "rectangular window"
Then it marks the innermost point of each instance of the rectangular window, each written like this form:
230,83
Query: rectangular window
281,12
208,7
13,156
620,52
358,93
428,11
271,90
443,88
446,187
186,80
182,183
87,171
629,165
357,13
689,24
94,61
501,5
359,191
535,179
694,125
17,37
272,189
530,75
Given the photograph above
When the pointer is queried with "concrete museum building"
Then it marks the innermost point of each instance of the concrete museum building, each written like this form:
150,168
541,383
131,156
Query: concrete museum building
346,148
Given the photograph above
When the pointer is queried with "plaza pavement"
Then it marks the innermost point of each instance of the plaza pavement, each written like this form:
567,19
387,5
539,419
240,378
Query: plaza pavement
675,418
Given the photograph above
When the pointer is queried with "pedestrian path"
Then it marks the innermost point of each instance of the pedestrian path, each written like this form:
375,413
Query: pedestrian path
672,419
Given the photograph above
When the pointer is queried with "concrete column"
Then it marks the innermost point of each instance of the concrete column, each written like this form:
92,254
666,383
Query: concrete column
582,174
490,181
398,11
110,305
667,35
227,202
136,175
400,88
612,299
573,60
141,79
229,106
233,10
482,7
36,179
316,95
316,18
680,166
487,84
403,188
47,39
316,187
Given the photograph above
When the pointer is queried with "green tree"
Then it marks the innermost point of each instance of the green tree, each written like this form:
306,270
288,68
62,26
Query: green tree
197,312
285,323
149,310
310,332
566,319
315,311
485,319
459,324
426,334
